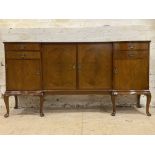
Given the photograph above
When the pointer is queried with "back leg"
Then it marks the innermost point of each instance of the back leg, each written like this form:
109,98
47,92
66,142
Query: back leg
138,101
16,102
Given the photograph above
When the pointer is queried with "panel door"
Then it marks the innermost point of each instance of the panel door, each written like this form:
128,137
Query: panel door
23,75
59,66
95,65
131,70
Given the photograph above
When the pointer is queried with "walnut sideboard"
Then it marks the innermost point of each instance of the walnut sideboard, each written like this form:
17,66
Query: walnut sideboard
40,68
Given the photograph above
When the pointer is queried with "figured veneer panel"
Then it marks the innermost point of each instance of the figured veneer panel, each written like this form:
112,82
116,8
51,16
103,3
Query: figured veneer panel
95,65
59,66
23,75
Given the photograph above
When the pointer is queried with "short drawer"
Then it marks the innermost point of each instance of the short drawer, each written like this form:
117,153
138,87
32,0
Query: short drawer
131,54
22,46
131,46
22,55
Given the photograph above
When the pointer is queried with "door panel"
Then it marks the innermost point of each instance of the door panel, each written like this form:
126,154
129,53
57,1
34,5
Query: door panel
131,74
23,75
59,66
95,65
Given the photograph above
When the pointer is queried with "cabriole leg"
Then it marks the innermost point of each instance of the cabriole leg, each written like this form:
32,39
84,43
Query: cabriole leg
6,100
41,105
113,97
148,104
138,101
16,102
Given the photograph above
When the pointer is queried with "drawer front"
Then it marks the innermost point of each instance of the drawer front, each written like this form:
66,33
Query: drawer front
22,46
131,54
131,46
22,55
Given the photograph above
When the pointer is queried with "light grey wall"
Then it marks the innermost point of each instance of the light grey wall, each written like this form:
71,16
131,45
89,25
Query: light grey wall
76,31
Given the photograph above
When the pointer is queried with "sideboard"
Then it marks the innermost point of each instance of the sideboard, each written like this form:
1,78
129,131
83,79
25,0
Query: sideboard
44,68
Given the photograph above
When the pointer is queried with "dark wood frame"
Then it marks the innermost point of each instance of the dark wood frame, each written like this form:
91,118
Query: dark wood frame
112,93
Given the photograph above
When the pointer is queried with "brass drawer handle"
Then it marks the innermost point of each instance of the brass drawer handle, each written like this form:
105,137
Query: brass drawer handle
131,54
131,46
23,55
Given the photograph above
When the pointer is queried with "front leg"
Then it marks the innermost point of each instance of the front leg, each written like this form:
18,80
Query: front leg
148,104
6,100
16,102
113,99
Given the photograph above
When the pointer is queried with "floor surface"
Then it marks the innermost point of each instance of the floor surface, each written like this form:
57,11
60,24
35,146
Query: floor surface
96,121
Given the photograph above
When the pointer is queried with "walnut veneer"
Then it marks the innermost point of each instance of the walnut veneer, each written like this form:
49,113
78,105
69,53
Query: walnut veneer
77,68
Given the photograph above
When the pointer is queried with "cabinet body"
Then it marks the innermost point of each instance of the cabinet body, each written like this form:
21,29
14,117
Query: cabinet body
23,67
131,66
77,68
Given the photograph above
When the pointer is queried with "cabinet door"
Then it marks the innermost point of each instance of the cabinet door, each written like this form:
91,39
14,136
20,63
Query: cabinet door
23,75
131,70
59,66
95,65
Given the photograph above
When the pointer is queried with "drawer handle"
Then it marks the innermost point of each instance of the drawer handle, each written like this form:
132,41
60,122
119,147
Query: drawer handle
131,47
131,54
23,55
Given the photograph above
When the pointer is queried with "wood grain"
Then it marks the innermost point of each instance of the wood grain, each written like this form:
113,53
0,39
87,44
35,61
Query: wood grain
131,46
23,75
95,66
22,46
59,66
114,68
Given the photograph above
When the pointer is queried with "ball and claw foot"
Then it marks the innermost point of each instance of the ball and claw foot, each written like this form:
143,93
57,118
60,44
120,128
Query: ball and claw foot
148,114
41,114
6,115
113,113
